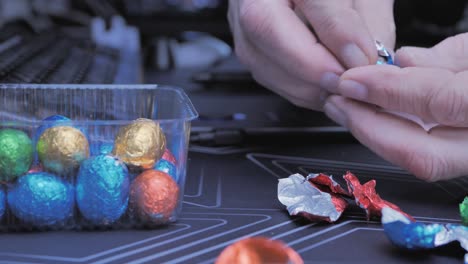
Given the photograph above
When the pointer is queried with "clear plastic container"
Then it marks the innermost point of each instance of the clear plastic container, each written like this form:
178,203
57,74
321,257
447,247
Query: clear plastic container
99,112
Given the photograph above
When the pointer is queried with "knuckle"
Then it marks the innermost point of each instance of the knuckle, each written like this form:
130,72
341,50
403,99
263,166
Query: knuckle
253,19
449,105
328,24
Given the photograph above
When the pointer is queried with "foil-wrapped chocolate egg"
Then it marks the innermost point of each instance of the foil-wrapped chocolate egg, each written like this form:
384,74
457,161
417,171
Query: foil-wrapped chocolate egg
140,144
41,199
2,202
101,147
51,121
153,197
168,165
16,153
61,149
255,250
102,189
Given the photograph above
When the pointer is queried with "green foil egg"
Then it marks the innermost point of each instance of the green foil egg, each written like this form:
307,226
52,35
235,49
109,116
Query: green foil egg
16,153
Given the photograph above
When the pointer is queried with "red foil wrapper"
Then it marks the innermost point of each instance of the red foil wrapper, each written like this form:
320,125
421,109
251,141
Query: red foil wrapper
326,183
258,250
367,198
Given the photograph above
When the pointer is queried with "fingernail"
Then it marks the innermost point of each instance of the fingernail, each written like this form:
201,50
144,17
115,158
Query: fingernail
335,114
330,81
353,89
353,56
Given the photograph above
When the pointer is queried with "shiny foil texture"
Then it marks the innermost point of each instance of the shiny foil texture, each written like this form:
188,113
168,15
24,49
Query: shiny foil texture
52,121
101,148
169,157
102,189
167,166
153,197
140,144
61,149
259,250
41,199
406,233
367,198
2,201
464,211
326,183
304,198
16,154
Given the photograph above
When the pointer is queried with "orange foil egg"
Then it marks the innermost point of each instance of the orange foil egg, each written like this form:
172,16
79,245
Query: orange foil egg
140,144
258,250
153,197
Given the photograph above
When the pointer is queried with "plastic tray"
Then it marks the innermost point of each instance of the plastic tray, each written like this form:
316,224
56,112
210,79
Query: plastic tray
99,111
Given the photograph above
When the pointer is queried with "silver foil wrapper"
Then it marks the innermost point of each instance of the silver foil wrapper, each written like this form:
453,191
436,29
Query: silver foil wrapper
303,198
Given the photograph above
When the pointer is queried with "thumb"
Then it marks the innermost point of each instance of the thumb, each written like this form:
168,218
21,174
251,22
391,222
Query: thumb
450,54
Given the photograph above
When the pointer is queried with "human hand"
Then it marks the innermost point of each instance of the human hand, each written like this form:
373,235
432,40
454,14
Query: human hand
294,61
431,84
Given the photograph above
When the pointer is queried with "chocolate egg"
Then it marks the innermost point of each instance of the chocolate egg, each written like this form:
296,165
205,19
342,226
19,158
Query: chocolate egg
254,250
41,199
153,197
102,189
51,121
61,149
16,153
140,144
167,167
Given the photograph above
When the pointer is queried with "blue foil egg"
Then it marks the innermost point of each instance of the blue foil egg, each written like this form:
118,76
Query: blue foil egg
2,202
41,199
52,121
102,189
101,148
167,167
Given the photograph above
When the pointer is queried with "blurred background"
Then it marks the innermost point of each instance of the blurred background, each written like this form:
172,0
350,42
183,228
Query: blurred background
185,43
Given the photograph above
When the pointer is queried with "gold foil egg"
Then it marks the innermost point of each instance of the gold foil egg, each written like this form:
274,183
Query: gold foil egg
61,149
140,144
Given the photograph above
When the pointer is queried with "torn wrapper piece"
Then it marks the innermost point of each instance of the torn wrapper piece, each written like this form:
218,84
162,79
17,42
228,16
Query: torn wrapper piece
326,184
367,198
304,198
406,233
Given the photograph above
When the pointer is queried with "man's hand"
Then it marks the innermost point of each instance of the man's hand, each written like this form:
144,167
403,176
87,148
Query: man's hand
299,48
433,84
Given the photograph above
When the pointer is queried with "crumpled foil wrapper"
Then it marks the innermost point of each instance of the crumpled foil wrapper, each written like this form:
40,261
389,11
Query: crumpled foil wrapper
305,199
367,198
406,233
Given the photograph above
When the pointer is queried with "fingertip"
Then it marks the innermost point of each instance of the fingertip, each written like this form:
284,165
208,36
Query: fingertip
411,56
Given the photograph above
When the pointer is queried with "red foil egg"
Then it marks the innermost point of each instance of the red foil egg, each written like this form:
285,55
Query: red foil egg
153,197
258,250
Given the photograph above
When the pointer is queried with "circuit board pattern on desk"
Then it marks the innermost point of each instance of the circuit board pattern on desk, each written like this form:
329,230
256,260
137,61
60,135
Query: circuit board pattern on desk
231,197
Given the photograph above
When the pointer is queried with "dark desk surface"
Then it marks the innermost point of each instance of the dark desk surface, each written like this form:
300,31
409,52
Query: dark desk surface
230,193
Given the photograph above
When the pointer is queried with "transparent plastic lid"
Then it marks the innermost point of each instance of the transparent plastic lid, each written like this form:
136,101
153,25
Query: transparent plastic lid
94,104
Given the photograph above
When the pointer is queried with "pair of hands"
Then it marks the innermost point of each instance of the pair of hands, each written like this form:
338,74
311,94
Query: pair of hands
305,50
